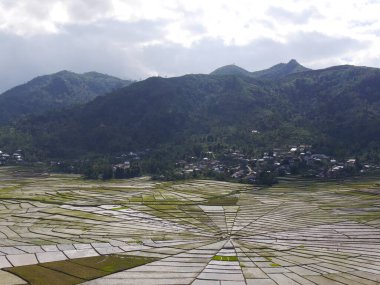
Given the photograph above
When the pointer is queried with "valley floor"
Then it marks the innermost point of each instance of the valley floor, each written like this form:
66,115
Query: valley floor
60,229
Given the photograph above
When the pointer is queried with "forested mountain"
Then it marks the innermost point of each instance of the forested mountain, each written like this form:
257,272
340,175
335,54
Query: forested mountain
275,72
335,109
55,91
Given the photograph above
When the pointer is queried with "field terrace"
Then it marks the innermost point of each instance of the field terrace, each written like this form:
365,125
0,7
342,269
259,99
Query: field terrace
60,229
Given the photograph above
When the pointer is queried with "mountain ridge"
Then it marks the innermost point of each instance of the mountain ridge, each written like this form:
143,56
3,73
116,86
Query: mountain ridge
335,110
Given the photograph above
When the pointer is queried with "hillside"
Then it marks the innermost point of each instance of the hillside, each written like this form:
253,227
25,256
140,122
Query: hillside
335,109
55,91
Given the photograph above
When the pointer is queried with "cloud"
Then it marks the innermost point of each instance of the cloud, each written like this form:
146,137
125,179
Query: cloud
82,10
135,39
311,46
108,46
118,32
209,54
283,15
116,48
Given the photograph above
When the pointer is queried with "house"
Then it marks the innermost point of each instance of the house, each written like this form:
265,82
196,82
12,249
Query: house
351,162
238,174
319,157
17,156
5,156
124,166
181,163
293,149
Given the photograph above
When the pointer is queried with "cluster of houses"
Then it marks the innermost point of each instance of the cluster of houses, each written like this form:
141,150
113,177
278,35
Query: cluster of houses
231,164
293,160
16,157
126,160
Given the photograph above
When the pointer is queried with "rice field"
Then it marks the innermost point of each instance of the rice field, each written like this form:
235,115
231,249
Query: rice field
60,229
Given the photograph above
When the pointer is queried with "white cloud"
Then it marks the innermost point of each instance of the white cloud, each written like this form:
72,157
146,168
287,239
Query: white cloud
138,38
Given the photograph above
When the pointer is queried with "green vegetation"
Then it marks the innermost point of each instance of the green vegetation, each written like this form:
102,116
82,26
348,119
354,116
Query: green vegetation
75,271
229,200
225,258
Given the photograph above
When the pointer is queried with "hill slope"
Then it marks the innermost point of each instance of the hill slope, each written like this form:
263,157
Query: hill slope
55,91
334,109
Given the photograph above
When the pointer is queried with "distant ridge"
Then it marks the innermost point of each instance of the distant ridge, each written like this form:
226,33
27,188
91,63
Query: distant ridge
274,72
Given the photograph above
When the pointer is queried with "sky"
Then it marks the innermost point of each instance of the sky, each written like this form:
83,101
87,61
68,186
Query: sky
135,39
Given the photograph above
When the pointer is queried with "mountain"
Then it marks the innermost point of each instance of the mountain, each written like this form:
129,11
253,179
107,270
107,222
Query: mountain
280,70
231,70
275,72
55,91
334,109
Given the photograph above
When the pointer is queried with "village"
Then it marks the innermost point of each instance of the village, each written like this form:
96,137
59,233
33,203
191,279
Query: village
293,160
16,157
229,165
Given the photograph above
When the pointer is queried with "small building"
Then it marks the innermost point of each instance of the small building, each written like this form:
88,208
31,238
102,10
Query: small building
351,162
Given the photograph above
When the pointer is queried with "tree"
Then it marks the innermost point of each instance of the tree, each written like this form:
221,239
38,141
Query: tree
267,178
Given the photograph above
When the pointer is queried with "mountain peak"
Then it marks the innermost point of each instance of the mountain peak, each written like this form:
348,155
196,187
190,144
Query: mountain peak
62,72
295,66
274,72
293,62
231,69
280,70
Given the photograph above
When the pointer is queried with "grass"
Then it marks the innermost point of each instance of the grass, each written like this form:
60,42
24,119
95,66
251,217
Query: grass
222,201
39,275
225,258
79,214
75,271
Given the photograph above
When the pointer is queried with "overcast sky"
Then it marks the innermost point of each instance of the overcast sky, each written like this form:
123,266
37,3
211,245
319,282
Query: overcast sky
134,39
